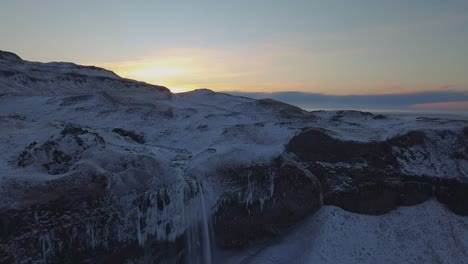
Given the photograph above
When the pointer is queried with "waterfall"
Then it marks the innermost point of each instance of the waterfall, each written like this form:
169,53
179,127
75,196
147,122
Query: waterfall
198,234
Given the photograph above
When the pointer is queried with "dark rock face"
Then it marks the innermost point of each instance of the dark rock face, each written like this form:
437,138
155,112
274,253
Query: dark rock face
316,145
76,220
376,177
465,132
130,134
381,196
80,217
272,198
57,154
55,221
89,216
455,195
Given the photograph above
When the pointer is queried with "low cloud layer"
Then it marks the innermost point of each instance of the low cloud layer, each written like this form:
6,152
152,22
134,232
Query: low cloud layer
437,100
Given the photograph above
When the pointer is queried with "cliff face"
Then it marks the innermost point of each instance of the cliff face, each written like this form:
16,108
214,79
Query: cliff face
378,176
100,169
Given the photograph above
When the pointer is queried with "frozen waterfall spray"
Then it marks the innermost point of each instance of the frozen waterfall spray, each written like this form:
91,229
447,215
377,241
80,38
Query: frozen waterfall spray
198,234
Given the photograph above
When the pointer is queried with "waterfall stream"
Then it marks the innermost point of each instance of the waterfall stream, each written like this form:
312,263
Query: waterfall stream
198,234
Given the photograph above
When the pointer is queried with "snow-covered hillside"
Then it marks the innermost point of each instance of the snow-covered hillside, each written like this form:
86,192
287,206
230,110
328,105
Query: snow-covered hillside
111,169
60,78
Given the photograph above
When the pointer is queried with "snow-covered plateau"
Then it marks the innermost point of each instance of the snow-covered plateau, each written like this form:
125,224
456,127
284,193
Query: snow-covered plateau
95,168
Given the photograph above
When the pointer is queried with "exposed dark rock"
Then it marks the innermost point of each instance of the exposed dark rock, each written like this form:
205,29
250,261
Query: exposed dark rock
314,145
343,113
454,194
409,139
130,134
73,130
262,212
75,99
379,117
412,191
380,196
371,177
17,117
75,219
372,198
51,155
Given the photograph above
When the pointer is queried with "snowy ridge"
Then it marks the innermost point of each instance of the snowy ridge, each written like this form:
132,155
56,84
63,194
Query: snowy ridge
18,76
365,127
5,55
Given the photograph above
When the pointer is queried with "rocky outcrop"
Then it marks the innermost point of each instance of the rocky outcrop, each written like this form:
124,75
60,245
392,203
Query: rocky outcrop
57,154
75,220
130,134
80,218
376,177
265,200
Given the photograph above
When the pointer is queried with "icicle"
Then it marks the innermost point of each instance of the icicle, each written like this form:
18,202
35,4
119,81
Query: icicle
272,182
46,245
262,201
250,191
139,231
93,242
320,193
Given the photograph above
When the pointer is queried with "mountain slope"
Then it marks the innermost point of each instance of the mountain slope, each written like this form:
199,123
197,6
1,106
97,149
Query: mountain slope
59,78
97,168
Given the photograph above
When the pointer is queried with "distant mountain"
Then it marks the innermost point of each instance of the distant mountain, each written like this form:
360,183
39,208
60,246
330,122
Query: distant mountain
59,78
96,168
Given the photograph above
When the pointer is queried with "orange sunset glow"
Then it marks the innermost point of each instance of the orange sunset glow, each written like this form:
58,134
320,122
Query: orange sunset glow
264,68
317,47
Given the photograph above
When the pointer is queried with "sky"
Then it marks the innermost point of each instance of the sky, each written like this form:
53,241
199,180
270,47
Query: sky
328,47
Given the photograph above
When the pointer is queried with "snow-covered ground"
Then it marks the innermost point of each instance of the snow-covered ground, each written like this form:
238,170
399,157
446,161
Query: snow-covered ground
193,134
200,129
202,125
425,233
360,126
